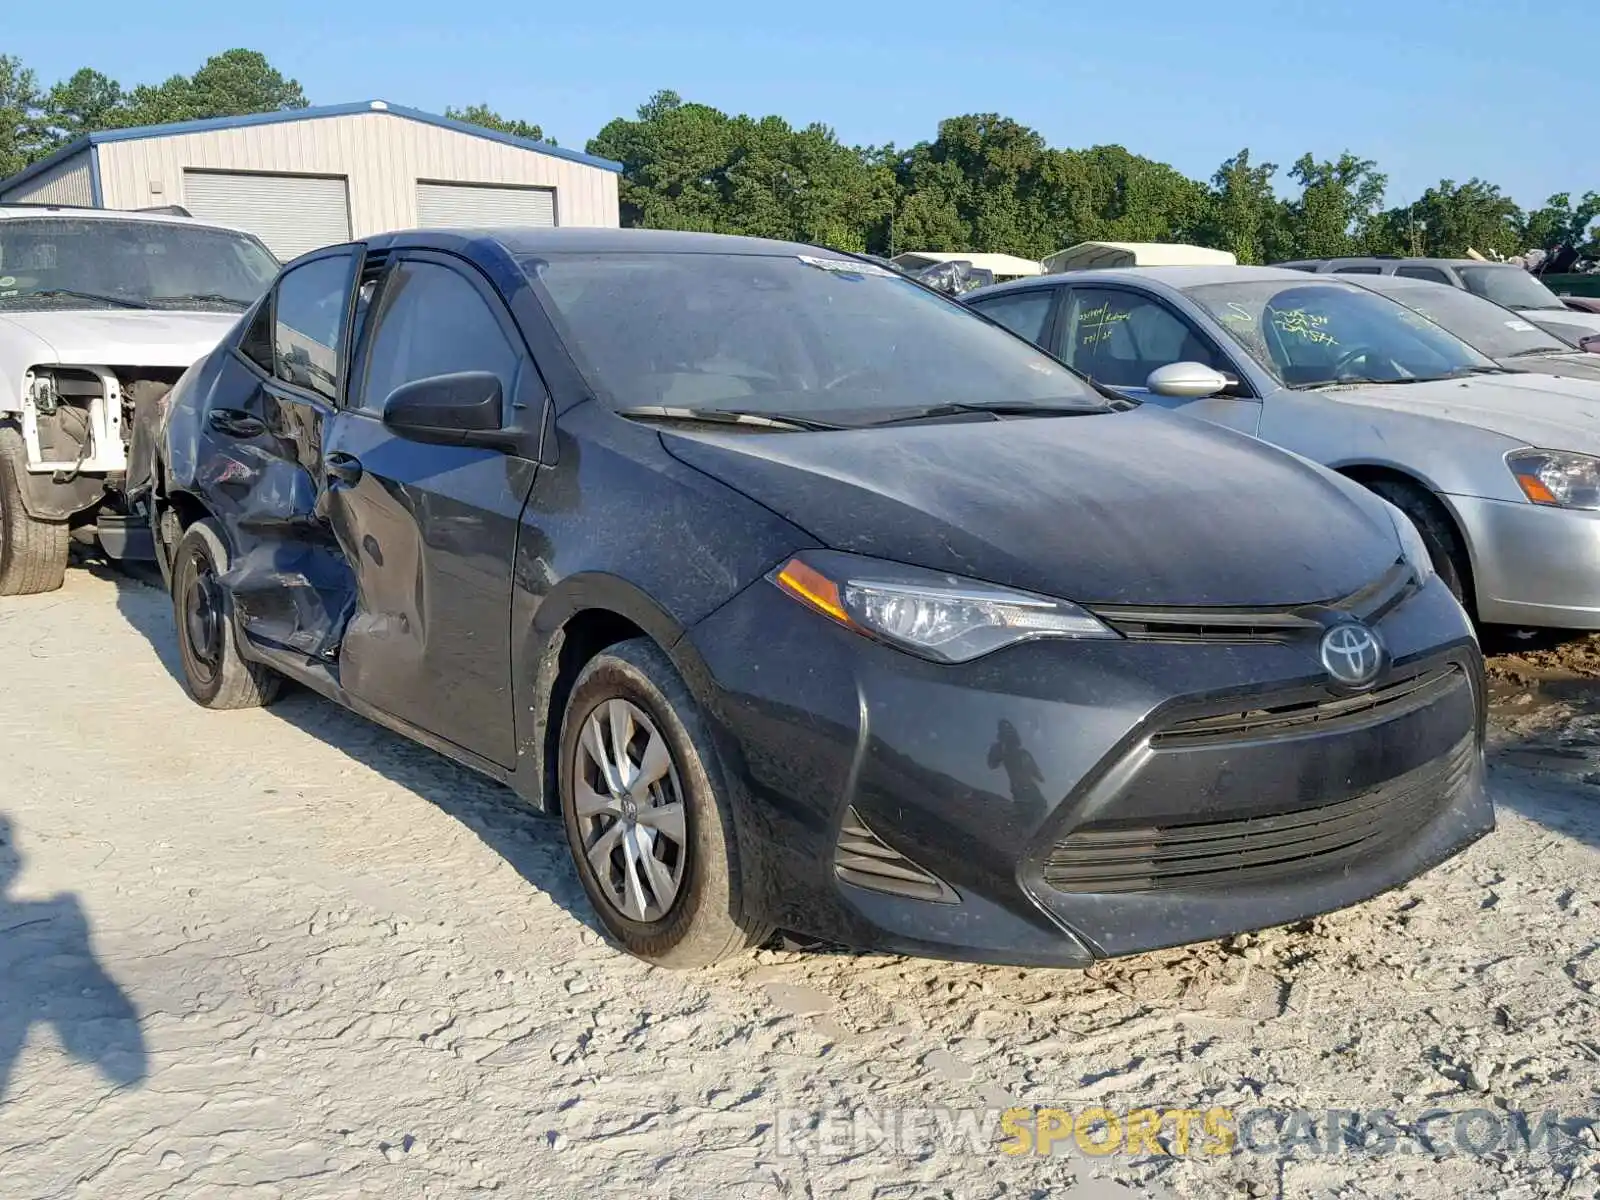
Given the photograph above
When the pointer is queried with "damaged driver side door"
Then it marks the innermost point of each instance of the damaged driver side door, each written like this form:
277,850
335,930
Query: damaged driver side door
430,529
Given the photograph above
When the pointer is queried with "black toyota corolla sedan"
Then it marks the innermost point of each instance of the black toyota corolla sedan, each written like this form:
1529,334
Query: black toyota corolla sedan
809,600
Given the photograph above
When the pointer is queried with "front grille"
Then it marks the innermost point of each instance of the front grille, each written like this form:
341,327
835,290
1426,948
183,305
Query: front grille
1321,713
1237,625
1214,854
865,860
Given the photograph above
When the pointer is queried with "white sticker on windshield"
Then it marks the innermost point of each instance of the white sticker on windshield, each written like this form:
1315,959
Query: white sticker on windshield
844,266
7,280
1519,326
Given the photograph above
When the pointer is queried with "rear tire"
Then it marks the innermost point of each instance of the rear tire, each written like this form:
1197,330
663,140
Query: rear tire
33,553
1439,534
631,695
215,673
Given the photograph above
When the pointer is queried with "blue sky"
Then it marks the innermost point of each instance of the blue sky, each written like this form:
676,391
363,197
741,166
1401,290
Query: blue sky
1428,88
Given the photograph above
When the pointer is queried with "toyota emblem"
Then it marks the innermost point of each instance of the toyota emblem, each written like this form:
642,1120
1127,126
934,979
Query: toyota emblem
1352,654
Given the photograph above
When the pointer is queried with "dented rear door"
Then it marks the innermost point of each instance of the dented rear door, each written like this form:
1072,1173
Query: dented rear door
429,530
264,425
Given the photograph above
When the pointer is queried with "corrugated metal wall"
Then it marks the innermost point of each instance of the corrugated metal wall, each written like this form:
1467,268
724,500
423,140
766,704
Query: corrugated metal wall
68,182
382,155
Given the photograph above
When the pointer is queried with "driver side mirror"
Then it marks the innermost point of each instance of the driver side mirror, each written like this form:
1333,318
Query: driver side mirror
1188,380
1590,343
462,409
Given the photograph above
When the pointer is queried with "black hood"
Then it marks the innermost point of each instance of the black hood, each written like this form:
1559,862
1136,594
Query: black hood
1138,507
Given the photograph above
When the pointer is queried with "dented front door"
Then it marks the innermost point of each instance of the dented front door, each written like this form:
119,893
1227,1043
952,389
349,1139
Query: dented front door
429,531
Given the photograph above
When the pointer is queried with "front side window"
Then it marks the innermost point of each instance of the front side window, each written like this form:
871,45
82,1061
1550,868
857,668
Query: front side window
783,334
1119,338
431,320
1312,334
104,262
309,321
1364,270
1509,286
1024,313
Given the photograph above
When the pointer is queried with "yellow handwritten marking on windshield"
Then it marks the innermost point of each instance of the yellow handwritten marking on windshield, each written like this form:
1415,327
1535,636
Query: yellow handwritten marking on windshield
1309,326
1095,324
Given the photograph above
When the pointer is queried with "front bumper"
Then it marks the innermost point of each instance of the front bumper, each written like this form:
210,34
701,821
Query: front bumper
1532,565
984,775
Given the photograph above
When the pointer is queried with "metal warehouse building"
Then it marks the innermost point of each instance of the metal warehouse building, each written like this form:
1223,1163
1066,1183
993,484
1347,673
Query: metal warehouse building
304,178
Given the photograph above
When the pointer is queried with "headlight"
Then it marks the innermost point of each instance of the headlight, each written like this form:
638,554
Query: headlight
1412,548
941,617
1557,478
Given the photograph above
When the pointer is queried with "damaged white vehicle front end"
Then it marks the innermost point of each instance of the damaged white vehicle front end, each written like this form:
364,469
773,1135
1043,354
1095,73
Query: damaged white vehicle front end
100,315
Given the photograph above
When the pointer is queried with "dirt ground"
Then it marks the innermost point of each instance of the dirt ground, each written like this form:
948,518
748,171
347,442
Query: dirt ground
286,954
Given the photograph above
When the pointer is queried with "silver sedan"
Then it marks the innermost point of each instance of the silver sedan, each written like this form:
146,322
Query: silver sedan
1499,470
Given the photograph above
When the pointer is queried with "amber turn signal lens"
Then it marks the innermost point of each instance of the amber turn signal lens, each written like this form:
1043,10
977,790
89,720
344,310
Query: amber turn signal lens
812,587
1534,489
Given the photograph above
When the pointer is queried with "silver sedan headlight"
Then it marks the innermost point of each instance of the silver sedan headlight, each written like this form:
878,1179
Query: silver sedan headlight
1557,478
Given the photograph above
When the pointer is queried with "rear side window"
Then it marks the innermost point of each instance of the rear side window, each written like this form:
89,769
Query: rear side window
1024,313
1358,270
308,324
432,321
1432,274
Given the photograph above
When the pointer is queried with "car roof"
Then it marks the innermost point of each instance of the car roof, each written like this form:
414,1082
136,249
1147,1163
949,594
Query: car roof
520,241
1402,260
1177,278
9,212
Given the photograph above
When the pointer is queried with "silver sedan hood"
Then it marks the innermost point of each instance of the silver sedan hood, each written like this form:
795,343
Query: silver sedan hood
1537,410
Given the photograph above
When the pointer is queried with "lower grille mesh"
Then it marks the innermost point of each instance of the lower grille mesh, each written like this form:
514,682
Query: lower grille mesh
1256,850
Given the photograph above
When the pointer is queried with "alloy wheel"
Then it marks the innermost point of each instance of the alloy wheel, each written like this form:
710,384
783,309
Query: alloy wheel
630,810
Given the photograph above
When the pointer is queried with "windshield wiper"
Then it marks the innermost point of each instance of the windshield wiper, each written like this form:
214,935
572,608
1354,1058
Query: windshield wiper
122,301
725,416
1012,409
1540,352
202,298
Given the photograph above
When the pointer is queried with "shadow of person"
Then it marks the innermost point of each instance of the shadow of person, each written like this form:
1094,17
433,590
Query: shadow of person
1022,772
49,975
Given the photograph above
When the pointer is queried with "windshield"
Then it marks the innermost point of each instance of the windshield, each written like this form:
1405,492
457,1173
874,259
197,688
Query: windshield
1510,286
1310,334
93,262
1483,326
777,334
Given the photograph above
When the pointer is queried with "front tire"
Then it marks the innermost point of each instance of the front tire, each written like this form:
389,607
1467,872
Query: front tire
647,816
33,553
215,673
1439,534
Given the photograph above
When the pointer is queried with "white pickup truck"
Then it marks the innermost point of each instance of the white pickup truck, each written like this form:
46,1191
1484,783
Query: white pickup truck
100,313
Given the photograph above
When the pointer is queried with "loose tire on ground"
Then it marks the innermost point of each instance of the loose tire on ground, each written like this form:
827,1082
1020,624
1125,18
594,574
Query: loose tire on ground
1439,534
216,675
707,919
33,554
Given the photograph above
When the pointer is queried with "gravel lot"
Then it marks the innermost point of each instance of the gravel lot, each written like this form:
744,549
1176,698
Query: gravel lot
285,953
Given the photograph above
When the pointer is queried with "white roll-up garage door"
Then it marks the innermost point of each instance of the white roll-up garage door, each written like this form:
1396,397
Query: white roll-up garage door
475,206
290,213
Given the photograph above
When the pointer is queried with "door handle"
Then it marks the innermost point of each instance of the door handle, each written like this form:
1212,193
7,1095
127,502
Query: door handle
344,468
235,423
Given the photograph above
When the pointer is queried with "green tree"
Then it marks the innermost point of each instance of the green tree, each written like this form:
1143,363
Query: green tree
81,104
482,114
21,132
233,83
1559,222
1243,213
1474,215
1338,207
